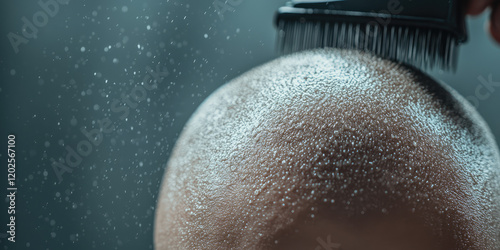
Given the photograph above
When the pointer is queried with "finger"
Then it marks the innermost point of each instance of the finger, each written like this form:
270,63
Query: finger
476,7
494,24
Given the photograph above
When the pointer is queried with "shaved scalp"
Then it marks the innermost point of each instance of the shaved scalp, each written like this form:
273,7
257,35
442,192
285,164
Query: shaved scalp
336,148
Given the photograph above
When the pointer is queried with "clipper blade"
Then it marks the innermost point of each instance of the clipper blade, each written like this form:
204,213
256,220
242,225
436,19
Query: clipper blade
422,48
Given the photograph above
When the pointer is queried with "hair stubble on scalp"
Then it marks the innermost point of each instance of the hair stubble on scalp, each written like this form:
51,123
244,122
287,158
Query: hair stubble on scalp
329,133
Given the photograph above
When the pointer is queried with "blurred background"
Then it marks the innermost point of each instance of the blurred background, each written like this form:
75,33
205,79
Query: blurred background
75,67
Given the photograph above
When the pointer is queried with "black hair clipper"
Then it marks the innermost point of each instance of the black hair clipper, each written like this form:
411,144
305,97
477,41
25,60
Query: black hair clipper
421,33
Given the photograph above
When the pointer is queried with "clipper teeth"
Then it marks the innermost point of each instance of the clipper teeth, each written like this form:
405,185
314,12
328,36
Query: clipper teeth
419,47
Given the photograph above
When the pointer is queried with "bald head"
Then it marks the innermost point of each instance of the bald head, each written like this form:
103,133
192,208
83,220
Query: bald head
332,149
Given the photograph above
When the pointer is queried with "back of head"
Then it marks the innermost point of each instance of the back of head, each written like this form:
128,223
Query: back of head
332,144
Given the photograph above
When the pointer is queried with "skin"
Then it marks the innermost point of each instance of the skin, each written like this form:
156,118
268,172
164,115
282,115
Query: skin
331,149
476,7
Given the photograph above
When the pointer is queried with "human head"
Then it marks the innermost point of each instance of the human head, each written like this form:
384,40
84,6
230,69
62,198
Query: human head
332,145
